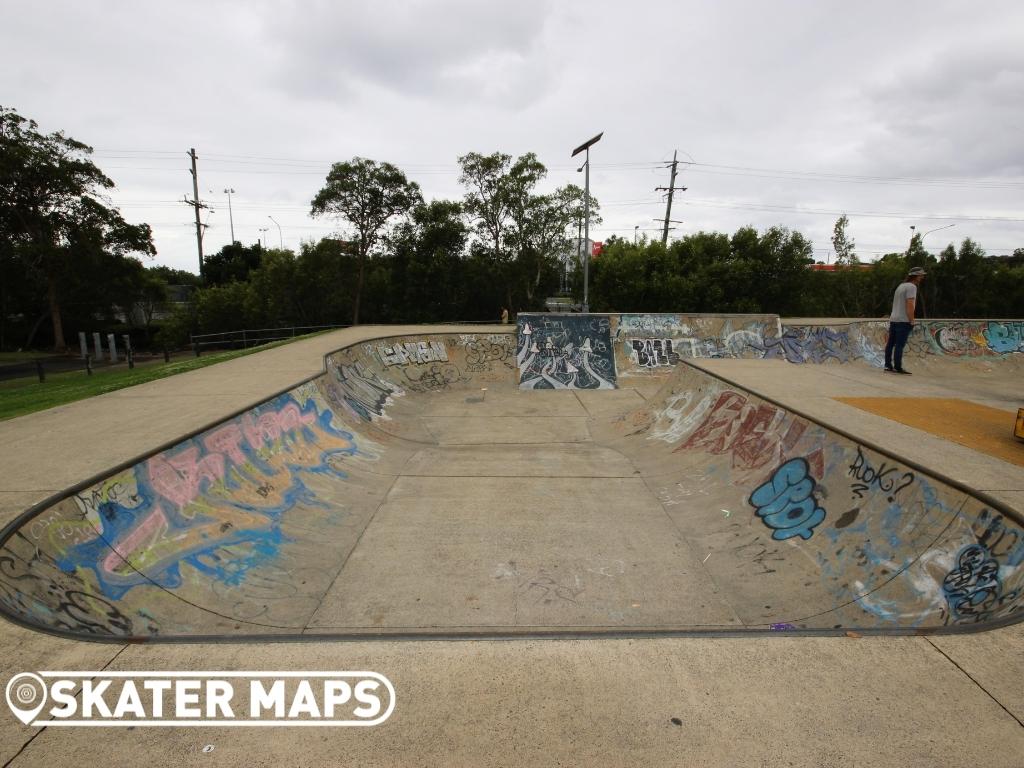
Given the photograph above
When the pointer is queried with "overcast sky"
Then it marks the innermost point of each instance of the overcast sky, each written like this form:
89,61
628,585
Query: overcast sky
787,113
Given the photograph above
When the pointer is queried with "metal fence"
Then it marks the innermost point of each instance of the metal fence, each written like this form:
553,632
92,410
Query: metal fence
251,337
40,367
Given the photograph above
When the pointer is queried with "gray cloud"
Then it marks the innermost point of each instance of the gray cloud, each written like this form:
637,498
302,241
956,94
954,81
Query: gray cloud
960,113
449,50
915,88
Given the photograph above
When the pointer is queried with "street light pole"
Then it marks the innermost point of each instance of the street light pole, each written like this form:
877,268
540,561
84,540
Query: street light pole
263,235
585,147
586,237
936,230
206,223
913,233
280,237
947,226
231,216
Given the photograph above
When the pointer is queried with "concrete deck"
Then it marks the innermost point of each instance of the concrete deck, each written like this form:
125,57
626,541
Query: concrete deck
768,701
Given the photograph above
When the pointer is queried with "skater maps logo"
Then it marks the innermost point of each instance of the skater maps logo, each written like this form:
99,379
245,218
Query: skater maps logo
200,698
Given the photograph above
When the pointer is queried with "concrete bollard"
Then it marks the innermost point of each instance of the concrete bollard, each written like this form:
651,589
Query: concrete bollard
84,344
112,345
97,347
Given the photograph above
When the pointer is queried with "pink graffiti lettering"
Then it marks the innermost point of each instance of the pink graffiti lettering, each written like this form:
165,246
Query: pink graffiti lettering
226,440
269,426
147,530
178,478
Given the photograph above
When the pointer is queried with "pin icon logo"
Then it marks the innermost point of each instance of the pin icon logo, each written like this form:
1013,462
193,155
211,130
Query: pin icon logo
26,696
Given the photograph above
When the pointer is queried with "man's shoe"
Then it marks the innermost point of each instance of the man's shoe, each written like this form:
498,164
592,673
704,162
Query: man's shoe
904,372
889,369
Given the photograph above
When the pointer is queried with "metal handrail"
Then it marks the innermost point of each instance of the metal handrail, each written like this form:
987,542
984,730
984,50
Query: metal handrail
252,336
194,336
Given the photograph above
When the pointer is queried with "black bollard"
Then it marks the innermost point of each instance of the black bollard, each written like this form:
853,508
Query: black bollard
88,364
167,354
40,371
131,358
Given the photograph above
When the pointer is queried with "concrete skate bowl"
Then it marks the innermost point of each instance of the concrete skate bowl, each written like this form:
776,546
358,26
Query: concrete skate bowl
448,485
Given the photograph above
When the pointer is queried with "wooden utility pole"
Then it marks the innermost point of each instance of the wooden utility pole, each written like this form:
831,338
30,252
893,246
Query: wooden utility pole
671,188
196,205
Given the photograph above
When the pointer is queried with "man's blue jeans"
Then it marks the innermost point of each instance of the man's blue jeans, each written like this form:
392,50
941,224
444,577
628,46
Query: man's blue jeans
898,335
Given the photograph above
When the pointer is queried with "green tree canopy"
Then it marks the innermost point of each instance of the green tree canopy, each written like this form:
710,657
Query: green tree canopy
843,244
524,232
233,262
53,212
366,194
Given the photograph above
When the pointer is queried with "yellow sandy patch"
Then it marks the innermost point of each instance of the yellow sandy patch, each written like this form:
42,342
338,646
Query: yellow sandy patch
984,429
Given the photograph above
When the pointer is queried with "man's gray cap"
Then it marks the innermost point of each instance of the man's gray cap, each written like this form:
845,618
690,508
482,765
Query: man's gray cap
916,271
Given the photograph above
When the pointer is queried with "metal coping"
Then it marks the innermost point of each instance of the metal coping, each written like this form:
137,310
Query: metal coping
709,315
885,319
511,633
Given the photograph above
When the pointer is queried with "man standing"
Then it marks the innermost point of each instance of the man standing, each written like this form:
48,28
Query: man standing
901,320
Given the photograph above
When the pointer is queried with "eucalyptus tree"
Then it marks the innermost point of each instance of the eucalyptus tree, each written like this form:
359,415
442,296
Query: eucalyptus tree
54,213
367,195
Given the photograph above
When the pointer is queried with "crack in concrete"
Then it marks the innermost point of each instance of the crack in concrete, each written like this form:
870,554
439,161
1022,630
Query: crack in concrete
970,677
78,693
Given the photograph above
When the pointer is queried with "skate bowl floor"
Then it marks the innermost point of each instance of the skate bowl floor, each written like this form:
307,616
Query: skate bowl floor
415,489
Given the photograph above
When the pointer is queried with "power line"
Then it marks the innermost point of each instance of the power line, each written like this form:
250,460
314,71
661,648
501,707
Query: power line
698,202
739,170
868,214
696,167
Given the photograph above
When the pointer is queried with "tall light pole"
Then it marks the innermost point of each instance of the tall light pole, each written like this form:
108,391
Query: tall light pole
585,147
913,232
636,231
263,235
936,230
280,237
231,216
206,224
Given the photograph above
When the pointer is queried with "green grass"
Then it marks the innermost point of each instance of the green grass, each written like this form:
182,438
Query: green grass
21,396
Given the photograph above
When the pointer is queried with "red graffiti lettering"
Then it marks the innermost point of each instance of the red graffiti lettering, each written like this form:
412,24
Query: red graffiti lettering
754,434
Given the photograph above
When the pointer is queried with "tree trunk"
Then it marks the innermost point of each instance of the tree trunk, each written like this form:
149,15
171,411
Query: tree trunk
58,325
35,327
359,289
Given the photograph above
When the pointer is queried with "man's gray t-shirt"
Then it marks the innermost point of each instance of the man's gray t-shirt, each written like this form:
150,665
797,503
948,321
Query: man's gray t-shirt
899,302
